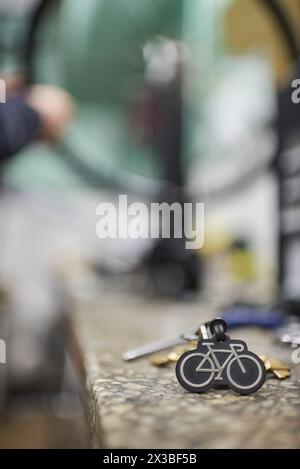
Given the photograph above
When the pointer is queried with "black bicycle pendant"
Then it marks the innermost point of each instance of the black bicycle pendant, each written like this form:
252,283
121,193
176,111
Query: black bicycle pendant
221,361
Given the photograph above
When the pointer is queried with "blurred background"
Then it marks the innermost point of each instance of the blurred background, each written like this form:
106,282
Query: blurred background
174,101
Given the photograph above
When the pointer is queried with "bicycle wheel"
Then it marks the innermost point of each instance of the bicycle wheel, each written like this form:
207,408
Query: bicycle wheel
190,376
249,381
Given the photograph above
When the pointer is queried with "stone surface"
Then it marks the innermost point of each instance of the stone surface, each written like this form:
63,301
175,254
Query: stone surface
135,405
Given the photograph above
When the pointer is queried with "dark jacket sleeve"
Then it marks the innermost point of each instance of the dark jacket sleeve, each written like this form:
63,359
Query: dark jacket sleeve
19,125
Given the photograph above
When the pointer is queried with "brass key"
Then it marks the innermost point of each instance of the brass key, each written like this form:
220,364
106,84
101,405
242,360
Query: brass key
173,356
282,374
276,368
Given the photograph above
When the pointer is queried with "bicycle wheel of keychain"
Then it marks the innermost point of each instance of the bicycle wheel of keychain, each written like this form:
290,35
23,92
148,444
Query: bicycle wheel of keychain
190,376
249,381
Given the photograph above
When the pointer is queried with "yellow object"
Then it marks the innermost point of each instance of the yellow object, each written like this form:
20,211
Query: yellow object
276,368
250,28
242,265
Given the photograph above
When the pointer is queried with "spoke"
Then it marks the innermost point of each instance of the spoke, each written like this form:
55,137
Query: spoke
242,366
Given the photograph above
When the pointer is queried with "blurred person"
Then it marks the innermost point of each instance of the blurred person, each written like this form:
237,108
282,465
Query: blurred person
41,112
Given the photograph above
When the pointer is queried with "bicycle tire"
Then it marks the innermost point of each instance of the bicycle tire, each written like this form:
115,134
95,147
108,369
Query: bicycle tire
188,383
238,385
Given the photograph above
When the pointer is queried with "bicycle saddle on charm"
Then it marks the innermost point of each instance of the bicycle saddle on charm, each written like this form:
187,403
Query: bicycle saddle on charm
221,361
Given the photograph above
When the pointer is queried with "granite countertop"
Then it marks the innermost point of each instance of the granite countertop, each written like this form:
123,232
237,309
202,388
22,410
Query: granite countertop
135,405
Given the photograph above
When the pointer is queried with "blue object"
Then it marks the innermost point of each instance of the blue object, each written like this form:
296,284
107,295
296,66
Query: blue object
245,316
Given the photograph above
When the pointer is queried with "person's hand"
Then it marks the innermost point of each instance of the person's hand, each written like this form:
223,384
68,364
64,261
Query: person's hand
55,107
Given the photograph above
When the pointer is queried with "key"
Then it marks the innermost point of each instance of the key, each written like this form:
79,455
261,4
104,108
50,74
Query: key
281,374
266,362
276,368
279,369
161,345
278,365
161,361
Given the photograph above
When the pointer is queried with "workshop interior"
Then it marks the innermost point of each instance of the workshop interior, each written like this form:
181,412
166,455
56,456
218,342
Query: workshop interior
120,341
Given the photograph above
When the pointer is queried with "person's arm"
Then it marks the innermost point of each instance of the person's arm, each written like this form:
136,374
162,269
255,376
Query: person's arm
20,124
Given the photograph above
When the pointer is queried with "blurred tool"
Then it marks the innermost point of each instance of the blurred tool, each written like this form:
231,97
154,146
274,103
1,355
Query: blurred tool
247,315
158,346
290,333
154,347
173,269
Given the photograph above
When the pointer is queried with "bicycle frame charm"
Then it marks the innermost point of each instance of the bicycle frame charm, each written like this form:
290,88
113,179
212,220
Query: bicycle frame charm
221,361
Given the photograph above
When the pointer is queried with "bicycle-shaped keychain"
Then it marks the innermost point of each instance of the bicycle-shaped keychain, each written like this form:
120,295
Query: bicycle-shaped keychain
221,361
